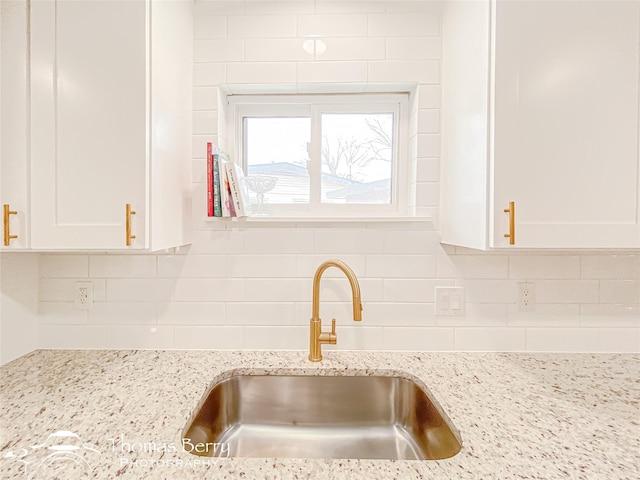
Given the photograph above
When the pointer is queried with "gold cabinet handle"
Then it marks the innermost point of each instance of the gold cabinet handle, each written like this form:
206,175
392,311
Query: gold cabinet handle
7,227
512,223
129,212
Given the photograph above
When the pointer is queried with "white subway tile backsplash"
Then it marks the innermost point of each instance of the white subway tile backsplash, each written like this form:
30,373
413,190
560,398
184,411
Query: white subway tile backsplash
411,290
473,266
209,289
205,122
262,72
428,145
413,48
420,339
611,266
270,338
349,6
262,266
425,71
567,291
56,265
259,7
429,96
410,242
201,337
490,291
114,312
427,193
204,98
139,290
71,336
619,340
354,336
64,289
403,24
219,242
401,266
501,339
350,241
404,314
544,266
611,312
339,72
428,169
620,291
261,313
354,49
308,264
139,337
192,266
218,50
208,75
344,25
61,313
122,266
273,290
192,313
562,339
210,26
262,26
428,121
251,286
210,7
276,50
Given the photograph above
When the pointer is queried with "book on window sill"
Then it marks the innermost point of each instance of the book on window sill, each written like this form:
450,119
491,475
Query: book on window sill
210,181
237,188
217,201
226,201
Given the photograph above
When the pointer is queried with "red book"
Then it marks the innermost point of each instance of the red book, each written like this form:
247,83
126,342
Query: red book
210,179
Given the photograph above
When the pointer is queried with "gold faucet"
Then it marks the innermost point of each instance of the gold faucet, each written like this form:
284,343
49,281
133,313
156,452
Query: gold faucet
316,336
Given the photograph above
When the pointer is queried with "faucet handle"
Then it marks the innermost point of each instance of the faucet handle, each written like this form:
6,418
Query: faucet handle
333,326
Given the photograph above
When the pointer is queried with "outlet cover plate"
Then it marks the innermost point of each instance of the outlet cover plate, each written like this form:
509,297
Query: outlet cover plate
449,301
526,297
84,295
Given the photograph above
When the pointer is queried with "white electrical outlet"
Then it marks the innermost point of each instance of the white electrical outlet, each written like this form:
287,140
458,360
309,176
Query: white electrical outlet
526,297
449,301
84,295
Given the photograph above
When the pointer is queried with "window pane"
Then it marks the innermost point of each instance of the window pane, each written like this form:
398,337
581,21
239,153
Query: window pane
279,147
357,157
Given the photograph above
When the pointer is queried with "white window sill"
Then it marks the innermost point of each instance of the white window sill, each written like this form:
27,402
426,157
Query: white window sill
229,223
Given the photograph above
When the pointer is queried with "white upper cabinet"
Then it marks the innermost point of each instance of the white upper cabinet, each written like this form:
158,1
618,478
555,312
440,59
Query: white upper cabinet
540,108
110,124
14,124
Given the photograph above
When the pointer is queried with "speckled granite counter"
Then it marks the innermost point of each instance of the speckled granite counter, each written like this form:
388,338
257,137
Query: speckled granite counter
544,416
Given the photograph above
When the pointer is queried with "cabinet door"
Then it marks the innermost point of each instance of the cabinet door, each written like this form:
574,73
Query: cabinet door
89,98
566,123
13,121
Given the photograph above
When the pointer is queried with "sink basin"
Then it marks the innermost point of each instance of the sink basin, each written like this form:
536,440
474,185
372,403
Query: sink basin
294,416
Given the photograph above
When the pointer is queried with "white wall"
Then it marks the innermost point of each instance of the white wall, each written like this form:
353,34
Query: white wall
251,287
18,305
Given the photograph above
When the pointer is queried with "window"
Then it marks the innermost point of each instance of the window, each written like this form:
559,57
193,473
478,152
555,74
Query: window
322,154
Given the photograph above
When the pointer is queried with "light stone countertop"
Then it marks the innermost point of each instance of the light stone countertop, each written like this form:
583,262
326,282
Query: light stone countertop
525,416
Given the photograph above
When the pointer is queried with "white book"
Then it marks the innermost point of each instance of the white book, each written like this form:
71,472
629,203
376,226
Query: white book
225,191
238,189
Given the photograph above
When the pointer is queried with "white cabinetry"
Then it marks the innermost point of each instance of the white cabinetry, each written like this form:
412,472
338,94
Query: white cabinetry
540,108
110,123
13,122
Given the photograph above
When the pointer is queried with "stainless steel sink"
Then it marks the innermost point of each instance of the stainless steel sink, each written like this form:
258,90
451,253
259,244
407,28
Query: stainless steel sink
290,416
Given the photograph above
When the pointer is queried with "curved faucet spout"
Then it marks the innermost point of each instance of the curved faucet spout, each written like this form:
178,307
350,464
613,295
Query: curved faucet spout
317,336
353,281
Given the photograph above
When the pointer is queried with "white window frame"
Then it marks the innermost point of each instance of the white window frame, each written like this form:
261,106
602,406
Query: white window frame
241,106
